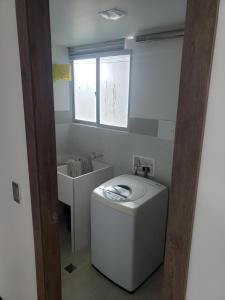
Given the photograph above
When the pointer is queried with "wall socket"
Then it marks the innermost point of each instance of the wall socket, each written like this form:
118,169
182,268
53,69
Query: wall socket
16,193
143,166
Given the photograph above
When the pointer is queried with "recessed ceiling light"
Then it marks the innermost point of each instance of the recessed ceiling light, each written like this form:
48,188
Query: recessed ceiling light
130,37
112,14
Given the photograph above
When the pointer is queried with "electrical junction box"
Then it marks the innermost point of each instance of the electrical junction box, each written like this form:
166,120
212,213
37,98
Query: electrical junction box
140,163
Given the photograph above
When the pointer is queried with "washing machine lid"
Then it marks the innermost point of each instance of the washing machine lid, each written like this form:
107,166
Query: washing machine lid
118,192
127,192
124,189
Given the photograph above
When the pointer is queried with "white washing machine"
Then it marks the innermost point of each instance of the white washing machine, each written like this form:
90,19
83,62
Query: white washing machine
128,225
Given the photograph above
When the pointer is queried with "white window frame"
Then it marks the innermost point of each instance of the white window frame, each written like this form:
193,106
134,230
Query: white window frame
98,56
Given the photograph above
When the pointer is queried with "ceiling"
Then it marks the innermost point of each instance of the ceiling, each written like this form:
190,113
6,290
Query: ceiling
76,22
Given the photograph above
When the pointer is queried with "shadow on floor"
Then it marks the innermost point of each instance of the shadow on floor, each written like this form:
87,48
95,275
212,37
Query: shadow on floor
86,283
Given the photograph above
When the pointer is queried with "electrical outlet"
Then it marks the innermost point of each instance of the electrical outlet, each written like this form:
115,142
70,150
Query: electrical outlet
16,193
140,163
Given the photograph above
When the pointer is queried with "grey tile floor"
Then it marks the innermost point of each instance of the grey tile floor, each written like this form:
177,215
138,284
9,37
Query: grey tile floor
86,283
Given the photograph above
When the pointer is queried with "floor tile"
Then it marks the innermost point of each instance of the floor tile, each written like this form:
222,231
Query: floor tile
86,283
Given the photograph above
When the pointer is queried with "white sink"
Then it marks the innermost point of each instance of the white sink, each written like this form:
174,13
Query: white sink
76,193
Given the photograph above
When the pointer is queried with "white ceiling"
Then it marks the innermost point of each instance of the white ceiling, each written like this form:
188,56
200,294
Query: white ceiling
76,22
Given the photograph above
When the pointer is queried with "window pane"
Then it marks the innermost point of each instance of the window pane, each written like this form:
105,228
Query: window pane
114,90
85,89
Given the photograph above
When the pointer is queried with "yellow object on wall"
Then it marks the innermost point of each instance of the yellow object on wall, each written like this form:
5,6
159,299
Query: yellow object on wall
61,72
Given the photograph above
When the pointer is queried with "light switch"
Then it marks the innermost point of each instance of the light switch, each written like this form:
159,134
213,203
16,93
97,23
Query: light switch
16,192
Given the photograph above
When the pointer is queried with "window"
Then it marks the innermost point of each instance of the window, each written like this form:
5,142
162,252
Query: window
85,89
101,90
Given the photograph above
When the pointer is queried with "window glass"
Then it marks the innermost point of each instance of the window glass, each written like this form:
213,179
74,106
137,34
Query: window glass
114,90
85,89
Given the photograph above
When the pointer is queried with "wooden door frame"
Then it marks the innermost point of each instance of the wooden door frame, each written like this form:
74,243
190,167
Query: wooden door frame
33,24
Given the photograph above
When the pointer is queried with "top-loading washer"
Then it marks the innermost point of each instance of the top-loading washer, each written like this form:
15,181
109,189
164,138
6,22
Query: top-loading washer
128,225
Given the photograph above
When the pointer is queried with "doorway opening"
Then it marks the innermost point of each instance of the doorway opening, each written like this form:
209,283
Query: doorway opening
36,65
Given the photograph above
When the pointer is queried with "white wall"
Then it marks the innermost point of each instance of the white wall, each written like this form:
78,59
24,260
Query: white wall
17,261
63,141
207,264
61,87
62,105
155,79
154,95
118,148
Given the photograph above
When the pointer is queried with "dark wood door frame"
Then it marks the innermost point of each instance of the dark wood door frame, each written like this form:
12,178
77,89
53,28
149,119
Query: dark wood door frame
200,32
35,55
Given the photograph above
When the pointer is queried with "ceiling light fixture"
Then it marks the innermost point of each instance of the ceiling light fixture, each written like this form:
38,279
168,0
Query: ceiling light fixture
112,14
130,37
